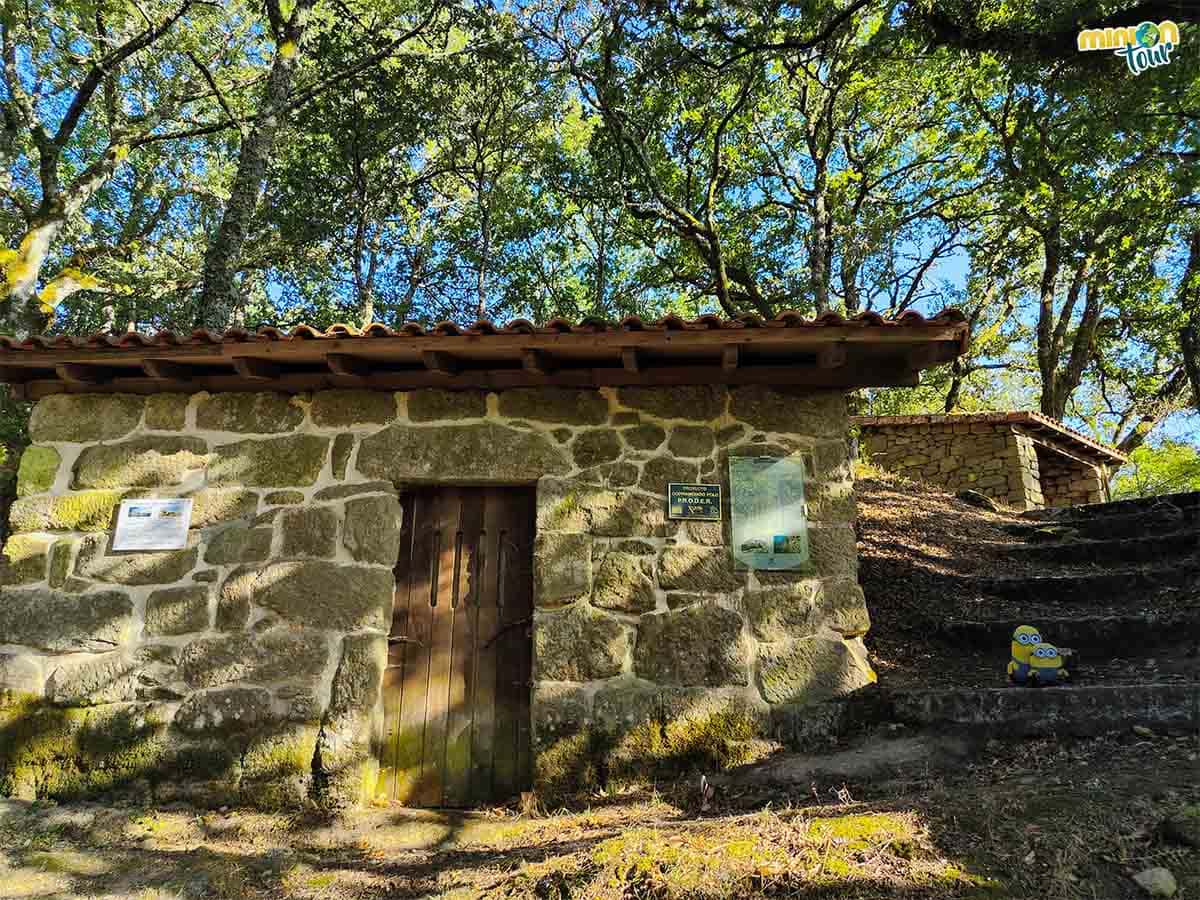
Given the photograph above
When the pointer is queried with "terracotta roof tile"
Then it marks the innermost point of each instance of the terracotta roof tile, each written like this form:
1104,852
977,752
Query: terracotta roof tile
588,325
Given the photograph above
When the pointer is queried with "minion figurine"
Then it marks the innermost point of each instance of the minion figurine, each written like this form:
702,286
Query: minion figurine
1024,638
1045,666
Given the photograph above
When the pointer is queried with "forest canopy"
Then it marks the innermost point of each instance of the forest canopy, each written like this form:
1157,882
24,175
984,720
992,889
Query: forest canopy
186,163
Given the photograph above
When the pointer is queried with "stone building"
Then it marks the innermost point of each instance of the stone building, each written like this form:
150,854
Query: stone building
1021,459
434,566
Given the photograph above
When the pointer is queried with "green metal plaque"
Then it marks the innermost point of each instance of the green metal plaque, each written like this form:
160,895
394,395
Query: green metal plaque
694,501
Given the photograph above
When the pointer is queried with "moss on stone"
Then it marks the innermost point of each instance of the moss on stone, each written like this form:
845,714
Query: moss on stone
39,466
484,452
256,413
24,560
82,511
284,498
276,462
309,531
84,417
594,447
433,404
177,611
569,766
343,444
141,462
49,752
337,409
156,567
372,529
60,563
166,412
565,406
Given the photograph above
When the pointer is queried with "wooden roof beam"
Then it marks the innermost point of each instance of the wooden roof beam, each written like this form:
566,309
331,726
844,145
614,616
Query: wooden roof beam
83,373
440,362
831,357
348,364
166,369
538,362
255,368
631,360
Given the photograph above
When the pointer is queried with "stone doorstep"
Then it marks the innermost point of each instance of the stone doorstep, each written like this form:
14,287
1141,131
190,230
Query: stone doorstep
1177,544
1051,711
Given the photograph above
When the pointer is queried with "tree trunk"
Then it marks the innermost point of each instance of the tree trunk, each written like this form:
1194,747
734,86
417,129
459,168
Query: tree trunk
22,314
1047,353
219,298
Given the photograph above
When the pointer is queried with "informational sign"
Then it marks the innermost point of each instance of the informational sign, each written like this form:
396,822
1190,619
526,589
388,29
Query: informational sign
694,501
153,524
768,513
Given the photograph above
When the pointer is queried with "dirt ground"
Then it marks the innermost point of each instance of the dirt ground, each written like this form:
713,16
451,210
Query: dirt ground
896,814
1042,819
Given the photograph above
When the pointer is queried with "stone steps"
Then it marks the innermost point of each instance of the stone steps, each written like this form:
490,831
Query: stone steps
1084,711
1163,519
1067,514
1087,635
1131,585
1174,544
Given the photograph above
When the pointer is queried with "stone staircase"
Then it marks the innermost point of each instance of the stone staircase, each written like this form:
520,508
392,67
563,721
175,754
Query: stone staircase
1116,583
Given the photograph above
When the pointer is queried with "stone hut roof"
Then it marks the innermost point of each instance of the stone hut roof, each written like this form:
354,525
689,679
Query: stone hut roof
830,351
1051,430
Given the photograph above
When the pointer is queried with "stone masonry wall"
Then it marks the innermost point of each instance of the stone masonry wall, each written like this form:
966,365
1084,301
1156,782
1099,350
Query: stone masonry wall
990,458
248,666
1070,482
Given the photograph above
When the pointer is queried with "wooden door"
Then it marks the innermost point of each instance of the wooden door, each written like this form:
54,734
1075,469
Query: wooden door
456,690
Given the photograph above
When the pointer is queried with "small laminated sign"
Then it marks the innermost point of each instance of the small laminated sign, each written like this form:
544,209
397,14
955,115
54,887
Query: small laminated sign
153,524
694,501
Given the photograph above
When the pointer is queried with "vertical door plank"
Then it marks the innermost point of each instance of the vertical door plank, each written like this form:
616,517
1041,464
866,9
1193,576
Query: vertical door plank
523,640
457,785
507,643
393,676
411,739
484,700
445,562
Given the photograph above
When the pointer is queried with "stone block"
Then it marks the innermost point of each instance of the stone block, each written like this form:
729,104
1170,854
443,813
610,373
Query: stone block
812,669
275,462
646,436
95,562
562,568
484,453
699,645
696,568
566,406
24,560
591,448
88,679
210,506
817,413
623,583
343,446
313,593
83,418
578,644
62,623
141,462
558,710
280,654
433,405
660,471
82,511
20,677
309,531
781,612
347,761
166,412
284,498
842,607
339,409
372,529
253,413
340,491
692,440
699,403
833,549
237,709
176,611
37,471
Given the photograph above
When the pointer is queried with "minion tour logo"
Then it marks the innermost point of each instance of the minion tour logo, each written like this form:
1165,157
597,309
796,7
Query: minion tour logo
1143,46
